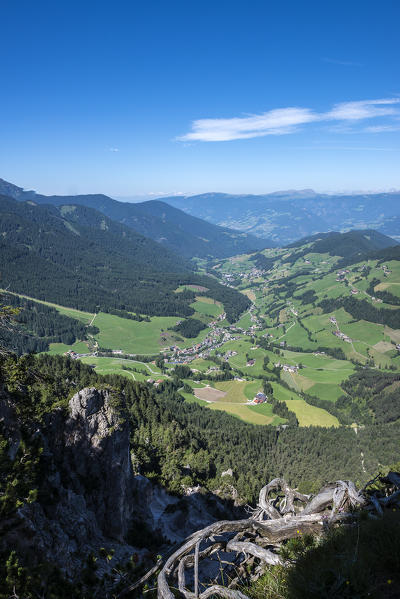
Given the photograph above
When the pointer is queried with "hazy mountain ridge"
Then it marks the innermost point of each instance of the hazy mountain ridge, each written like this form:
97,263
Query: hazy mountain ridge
229,224
288,216
187,235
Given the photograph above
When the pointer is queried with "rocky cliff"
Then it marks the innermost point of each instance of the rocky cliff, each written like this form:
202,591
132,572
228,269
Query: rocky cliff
90,502
85,497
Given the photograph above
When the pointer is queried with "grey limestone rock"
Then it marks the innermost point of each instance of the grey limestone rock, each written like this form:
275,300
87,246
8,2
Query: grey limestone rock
90,497
89,483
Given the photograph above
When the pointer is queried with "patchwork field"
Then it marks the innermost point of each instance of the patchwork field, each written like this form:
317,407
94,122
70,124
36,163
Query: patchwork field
286,326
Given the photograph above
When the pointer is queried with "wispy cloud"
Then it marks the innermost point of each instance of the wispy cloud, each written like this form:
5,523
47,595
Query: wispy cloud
113,149
343,63
274,122
382,128
364,109
283,121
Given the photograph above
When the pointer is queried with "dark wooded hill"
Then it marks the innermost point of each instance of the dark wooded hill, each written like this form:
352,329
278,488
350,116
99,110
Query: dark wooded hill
353,245
382,255
187,235
76,256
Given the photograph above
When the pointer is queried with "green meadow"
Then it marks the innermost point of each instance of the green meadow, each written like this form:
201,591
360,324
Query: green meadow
60,348
244,321
124,367
207,306
243,412
310,415
134,337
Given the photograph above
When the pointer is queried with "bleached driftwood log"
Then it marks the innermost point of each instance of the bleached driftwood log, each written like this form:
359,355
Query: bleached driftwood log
239,546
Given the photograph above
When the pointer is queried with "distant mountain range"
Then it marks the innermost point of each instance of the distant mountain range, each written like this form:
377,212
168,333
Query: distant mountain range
187,235
287,216
220,225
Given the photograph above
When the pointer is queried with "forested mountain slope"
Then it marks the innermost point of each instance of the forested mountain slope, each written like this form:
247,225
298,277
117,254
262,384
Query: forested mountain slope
36,325
76,256
382,255
187,235
346,244
352,246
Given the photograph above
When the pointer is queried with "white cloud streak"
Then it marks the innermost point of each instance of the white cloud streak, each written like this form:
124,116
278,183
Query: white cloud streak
382,128
343,63
283,121
365,109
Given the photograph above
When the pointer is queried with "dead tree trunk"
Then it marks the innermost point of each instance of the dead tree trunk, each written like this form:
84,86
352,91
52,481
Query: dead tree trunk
282,513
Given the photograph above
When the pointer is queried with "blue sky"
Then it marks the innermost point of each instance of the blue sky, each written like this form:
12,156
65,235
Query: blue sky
149,98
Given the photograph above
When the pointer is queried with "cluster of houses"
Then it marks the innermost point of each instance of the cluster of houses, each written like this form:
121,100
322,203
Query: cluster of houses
215,339
254,273
74,356
229,278
256,323
338,333
341,275
342,336
386,271
287,367
260,398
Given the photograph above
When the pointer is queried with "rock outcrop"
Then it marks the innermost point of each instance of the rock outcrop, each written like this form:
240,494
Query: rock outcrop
89,496
88,486
94,458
